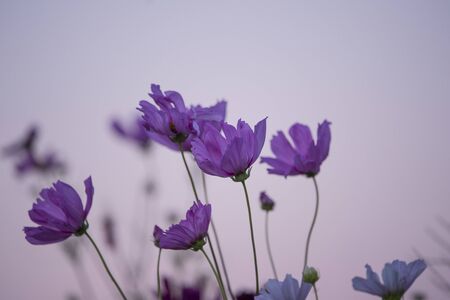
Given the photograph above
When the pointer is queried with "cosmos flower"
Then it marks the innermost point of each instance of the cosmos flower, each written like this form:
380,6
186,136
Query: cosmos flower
187,234
173,124
289,289
231,155
305,157
397,279
46,164
267,203
135,132
60,213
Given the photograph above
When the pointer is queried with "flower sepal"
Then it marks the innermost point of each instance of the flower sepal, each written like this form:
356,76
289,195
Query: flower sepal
179,138
82,229
242,176
393,297
198,245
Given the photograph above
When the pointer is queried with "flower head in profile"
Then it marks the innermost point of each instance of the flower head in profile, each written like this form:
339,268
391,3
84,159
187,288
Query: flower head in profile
172,124
60,213
135,132
189,233
398,277
267,203
305,157
288,289
230,155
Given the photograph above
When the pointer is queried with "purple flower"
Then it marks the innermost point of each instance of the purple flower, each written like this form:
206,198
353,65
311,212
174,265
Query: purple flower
189,233
305,157
266,202
289,289
232,154
172,123
397,279
135,133
45,164
60,213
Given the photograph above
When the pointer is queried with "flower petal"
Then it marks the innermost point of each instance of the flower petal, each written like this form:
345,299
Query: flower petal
89,189
323,140
301,135
42,236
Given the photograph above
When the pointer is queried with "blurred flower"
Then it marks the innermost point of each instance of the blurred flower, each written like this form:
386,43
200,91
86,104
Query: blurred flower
135,132
288,289
71,249
45,164
59,213
231,155
306,157
24,145
173,292
189,233
245,296
173,123
397,279
109,230
267,203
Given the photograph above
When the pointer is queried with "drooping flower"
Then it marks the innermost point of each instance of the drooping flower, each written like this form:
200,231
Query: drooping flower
135,132
267,203
172,123
189,233
289,289
60,213
398,277
231,155
305,157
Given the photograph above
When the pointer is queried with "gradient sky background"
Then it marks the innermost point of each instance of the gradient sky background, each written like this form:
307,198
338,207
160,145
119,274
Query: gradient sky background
378,70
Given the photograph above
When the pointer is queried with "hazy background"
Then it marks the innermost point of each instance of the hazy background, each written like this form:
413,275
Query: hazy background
378,70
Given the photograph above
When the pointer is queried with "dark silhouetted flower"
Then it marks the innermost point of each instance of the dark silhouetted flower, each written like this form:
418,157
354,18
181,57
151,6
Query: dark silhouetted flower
289,289
109,230
135,132
173,291
305,157
245,296
267,203
60,213
24,145
397,279
173,123
189,233
231,155
46,164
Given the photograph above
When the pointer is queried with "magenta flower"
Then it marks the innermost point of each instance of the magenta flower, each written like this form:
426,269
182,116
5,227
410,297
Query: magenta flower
397,279
231,155
60,213
305,157
135,132
173,123
266,202
189,233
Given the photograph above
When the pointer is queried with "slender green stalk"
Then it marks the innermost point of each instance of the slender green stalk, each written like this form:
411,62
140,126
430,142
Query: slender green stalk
197,199
315,292
305,264
216,237
219,282
158,276
189,172
106,266
252,235
269,250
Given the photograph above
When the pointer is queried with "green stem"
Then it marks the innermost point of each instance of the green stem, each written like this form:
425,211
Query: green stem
305,264
216,237
269,251
222,289
106,266
158,276
197,199
315,292
189,172
252,235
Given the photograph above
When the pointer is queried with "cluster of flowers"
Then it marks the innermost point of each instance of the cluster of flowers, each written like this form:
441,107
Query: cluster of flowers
219,149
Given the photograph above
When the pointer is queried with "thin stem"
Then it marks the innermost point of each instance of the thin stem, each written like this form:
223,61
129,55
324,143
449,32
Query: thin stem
106,266
269,250
216,237
315,292
305,264
158,276
252,235
189,172
222,289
